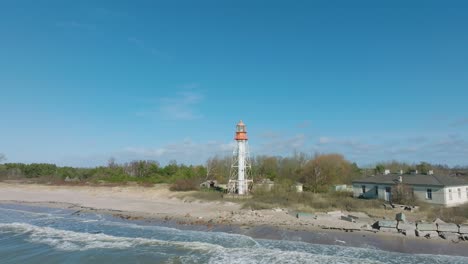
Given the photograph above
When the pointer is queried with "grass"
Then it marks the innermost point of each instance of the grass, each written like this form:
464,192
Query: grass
307,201
457,215
331,201
185,185
207,195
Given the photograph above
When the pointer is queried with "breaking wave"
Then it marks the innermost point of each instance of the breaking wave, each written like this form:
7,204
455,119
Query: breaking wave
61,234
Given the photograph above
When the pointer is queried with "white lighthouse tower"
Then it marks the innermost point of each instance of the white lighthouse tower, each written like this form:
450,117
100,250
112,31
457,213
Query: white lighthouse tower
241,176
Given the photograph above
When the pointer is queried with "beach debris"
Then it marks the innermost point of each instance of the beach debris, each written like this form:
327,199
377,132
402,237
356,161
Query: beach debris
188,215
387,224
438,221
409,233
454,237
76,213
387,206
353,217
408,229
405,207
366,227
336,214
389,230
426,227
301,215
463,229
427,234
453,228
348,219
340,241
401,217
464,237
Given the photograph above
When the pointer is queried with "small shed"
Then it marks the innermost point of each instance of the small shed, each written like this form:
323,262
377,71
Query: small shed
267,184
299,187
340,188
209,184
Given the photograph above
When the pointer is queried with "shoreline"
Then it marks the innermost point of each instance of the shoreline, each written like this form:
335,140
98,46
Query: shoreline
226,217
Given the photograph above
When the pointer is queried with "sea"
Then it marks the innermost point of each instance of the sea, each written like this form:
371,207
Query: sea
31,234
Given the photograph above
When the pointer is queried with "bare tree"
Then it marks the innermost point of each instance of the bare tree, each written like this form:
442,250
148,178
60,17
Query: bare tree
111,162
2,157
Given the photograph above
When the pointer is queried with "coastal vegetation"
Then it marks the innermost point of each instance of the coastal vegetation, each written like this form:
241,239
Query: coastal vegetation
318,173
141,172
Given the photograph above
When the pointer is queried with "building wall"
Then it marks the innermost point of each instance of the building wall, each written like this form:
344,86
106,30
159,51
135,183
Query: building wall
439,195
456,199
370,191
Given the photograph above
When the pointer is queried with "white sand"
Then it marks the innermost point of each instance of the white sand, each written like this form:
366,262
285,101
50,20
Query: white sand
157,201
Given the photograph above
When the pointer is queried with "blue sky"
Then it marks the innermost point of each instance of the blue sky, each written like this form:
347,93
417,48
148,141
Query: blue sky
82,81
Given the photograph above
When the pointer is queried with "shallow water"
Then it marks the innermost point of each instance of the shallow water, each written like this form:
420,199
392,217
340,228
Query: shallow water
44,235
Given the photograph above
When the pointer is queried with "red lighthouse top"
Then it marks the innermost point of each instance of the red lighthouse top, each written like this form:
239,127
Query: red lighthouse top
241,131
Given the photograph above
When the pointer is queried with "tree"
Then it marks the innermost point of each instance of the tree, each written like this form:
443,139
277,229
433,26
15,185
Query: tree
325,170
403,194
111,163
379,169
423,167
218,168
2,157
266,167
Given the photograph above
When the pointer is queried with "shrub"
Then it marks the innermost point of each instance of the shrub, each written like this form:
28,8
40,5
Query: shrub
403,194
183,185
457,215
210,195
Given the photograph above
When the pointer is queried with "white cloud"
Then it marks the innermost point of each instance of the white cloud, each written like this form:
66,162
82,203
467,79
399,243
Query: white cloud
460,122
143,45
324,140
136,41
182,106
186,151
190,86
304,124
75,25
282,145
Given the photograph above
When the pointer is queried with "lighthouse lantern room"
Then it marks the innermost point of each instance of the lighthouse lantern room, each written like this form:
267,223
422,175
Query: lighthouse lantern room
240,181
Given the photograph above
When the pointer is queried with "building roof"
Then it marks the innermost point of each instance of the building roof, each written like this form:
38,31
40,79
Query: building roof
414,179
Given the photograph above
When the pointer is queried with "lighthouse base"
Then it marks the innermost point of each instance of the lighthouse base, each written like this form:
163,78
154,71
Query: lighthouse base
234,186
236,196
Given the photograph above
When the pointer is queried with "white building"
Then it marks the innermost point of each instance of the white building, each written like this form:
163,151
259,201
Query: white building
430,188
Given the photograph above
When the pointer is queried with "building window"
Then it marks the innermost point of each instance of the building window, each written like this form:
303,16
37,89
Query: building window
450,195
429,194
459,193
363,187
376,190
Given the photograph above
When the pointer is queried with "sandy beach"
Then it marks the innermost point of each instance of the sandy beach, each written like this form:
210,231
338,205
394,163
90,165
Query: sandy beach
161,205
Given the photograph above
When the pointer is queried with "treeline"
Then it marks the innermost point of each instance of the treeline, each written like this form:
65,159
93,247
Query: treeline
317,172
138,171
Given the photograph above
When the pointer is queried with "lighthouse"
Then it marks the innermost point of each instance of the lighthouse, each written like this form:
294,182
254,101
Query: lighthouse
241,177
